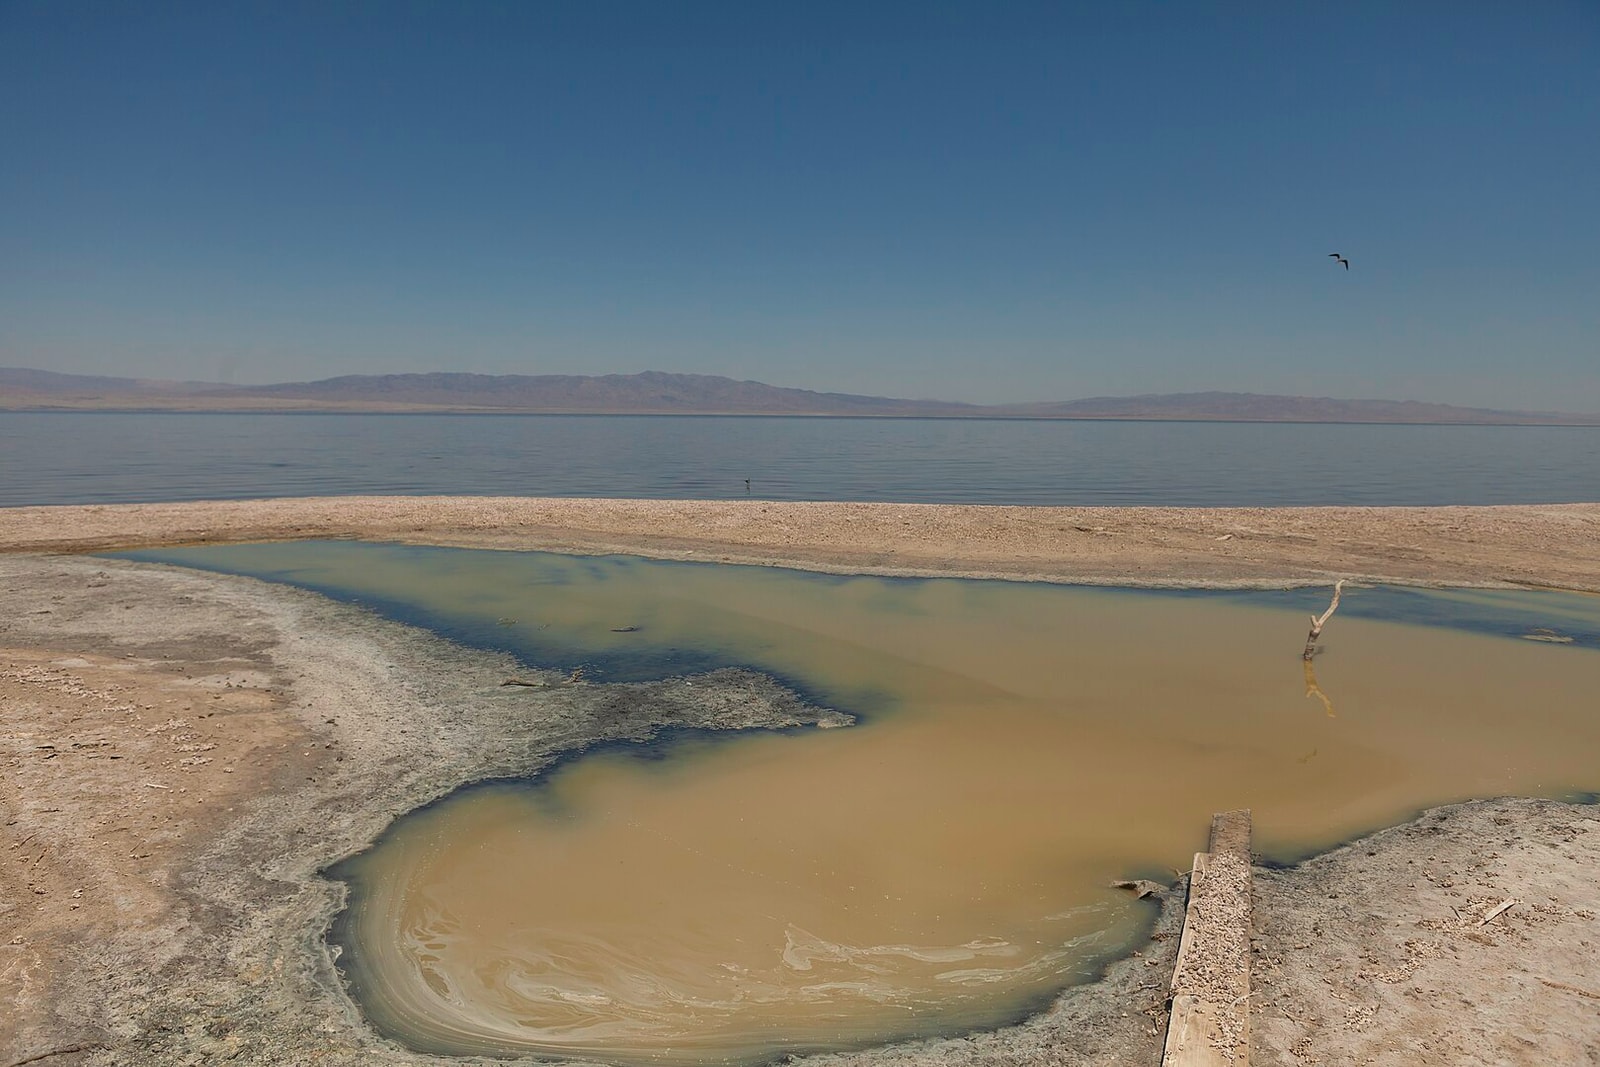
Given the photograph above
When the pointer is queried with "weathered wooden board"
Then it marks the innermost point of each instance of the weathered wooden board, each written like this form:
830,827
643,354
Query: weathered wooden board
1210,1023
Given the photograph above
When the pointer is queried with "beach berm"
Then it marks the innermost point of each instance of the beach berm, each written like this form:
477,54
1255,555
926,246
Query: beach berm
1539,546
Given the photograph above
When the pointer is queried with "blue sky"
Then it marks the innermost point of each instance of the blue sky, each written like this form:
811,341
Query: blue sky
985,202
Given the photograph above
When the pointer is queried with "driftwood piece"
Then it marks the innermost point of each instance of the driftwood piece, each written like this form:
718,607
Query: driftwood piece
1498,908
1318,622
575,678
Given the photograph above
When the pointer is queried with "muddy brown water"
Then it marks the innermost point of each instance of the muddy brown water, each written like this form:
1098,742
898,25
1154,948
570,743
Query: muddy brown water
943,865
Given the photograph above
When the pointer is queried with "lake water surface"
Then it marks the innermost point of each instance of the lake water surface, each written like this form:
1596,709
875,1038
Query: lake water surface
943,865
76,458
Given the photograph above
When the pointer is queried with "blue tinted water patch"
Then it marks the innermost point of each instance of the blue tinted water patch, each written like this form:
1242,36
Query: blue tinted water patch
645,661
627,648
1541,615
621,647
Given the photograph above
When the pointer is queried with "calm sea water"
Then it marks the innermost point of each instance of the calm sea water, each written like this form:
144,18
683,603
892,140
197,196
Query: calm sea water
74,458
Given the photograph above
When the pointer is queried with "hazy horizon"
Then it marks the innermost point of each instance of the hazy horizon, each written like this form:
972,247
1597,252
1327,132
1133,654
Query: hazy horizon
999,205
1204,404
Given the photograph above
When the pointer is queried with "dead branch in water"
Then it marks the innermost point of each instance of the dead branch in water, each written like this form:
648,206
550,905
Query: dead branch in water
1318,623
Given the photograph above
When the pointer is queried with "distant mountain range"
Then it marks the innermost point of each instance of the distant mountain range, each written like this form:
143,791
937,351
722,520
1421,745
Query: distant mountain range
656,393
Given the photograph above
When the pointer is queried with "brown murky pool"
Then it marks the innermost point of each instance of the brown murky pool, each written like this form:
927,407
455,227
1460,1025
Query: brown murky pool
942,865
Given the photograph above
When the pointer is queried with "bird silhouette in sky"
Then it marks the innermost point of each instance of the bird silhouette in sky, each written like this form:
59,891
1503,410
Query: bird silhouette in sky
1341,259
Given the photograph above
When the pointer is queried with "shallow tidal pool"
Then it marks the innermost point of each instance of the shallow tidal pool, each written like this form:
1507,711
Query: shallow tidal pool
940,866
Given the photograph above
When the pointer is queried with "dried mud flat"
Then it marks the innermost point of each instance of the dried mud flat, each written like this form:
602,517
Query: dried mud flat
184,752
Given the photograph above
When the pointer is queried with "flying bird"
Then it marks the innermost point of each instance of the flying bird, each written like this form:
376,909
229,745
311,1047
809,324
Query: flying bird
1341,259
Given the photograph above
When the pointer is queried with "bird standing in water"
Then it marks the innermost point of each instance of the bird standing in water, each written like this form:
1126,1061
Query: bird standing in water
1341,259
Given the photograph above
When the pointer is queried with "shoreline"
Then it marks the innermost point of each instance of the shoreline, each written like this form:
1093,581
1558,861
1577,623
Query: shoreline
1505,546
187,751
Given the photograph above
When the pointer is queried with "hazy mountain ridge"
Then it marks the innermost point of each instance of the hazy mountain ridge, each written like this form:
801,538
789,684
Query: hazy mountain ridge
650,391
1258,407
24,380
656,392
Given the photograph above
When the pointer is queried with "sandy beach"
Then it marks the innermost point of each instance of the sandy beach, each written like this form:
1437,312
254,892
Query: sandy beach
1543,546
184,752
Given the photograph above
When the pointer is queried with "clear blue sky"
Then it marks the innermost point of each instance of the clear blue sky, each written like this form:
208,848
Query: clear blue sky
984,202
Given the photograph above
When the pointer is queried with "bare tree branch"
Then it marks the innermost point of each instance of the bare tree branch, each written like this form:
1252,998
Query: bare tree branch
1318,623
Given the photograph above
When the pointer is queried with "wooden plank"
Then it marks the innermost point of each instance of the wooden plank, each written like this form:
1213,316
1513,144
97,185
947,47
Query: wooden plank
1194,1037
1186,940
1210,1021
